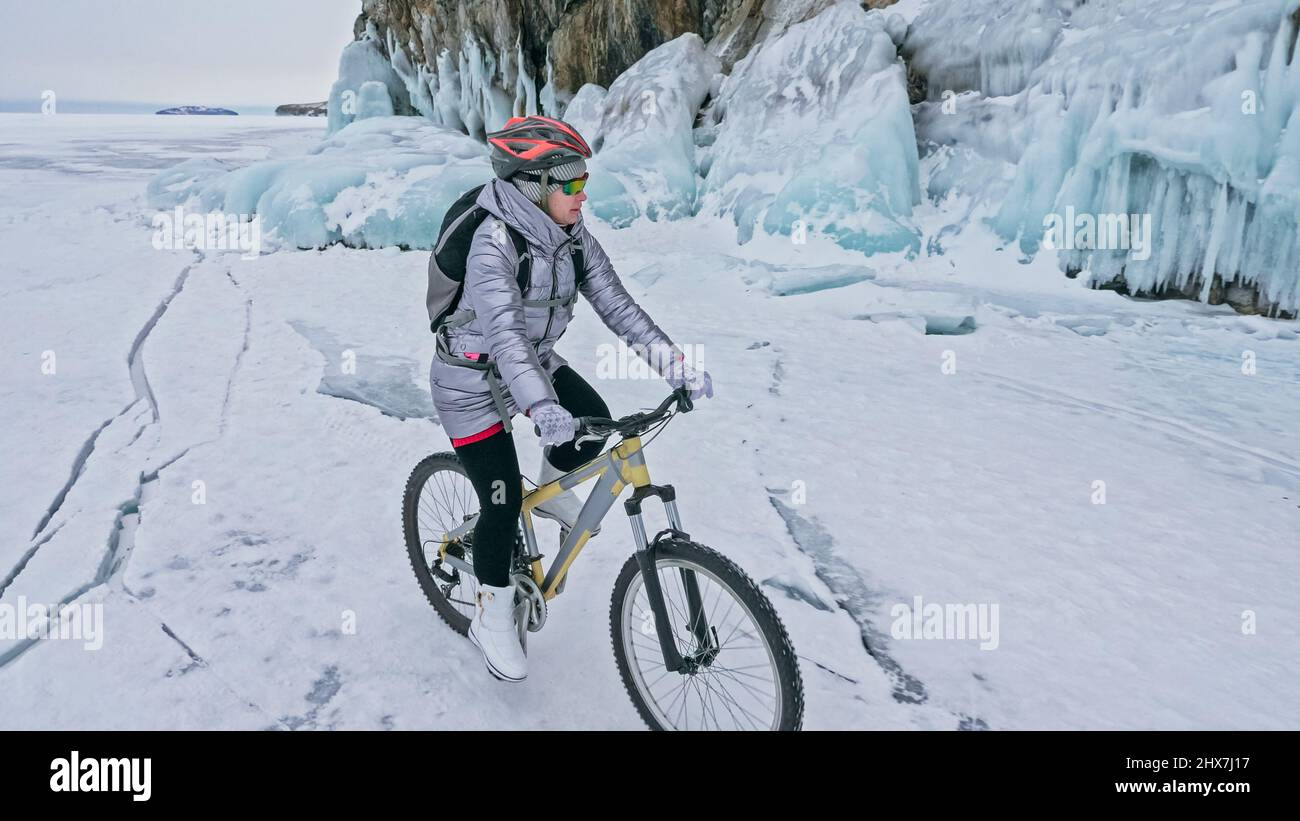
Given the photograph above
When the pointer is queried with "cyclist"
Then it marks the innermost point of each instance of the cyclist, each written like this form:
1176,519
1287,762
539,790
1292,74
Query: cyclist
538,191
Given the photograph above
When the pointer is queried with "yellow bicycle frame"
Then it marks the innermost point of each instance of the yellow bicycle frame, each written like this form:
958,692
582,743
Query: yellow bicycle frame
615,469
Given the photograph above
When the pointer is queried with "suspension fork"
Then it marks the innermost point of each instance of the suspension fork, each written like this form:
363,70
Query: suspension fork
646,556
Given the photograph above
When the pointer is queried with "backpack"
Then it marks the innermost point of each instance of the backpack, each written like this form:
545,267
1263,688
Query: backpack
451,254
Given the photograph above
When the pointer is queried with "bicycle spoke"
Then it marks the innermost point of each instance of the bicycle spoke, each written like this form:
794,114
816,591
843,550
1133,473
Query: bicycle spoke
727,707
444,502
707,698
742,694
747,690
753,721
748,687
670,704
730,607
716,666
707,694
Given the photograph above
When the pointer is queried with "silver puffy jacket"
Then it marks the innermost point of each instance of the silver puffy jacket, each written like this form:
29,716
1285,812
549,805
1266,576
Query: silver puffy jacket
521,340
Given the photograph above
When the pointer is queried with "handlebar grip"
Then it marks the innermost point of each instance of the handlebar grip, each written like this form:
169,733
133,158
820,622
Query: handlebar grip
577,426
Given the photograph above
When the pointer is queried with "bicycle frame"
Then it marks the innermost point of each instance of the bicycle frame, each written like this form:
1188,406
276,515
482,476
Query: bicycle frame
615,469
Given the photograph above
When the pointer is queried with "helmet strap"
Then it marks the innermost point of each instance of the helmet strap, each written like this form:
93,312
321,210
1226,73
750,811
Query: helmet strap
546,174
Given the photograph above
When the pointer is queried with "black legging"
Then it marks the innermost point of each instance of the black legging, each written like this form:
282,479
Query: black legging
493,468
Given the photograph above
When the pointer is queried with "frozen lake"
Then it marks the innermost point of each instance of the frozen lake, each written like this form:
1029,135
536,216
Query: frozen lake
183,446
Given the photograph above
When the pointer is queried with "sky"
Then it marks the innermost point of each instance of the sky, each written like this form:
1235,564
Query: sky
177,52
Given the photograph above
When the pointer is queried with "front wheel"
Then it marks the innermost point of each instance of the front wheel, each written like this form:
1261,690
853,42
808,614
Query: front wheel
741,669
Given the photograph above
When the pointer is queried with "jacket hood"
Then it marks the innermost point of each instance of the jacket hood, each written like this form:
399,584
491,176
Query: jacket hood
505,202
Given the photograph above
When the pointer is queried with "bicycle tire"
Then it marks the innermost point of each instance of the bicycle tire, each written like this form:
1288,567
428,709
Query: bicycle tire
730,576
424,471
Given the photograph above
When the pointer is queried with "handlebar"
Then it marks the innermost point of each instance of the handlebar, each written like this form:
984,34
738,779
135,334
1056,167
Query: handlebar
635,424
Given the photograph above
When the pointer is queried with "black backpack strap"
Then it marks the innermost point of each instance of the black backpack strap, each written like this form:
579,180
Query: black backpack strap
523,259
457,232
579,264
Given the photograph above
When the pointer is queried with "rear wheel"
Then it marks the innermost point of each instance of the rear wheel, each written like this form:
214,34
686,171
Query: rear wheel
741,669
440,497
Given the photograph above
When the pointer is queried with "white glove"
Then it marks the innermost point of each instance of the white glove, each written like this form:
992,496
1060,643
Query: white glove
555,423
682,375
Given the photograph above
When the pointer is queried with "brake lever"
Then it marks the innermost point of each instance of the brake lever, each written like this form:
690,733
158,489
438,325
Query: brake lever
684,403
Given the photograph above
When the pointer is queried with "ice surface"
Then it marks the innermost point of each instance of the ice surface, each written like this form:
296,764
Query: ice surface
396,386
233,613
782,281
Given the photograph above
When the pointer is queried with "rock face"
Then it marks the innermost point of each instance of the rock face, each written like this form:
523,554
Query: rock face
585,41
470,66
301,110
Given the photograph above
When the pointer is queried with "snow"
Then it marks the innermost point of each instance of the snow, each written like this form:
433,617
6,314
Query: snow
812,132
1185,122
181,370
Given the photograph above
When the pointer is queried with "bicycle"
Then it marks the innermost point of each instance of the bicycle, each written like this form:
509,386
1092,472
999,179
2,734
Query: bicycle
670,605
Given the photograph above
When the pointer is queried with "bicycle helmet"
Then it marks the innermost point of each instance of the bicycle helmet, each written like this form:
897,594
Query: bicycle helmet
535,144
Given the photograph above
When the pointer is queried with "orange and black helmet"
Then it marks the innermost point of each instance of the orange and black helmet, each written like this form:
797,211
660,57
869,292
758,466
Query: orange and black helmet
533,144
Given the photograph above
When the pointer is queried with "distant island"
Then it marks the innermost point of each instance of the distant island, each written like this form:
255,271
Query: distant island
196,109
302,110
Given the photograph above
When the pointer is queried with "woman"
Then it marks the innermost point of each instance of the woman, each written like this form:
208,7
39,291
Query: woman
540,169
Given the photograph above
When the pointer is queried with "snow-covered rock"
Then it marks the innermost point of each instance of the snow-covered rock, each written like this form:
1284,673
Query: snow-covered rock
196,109
373,101
991,47
812,131
1179,114
362,62
379,182
641,133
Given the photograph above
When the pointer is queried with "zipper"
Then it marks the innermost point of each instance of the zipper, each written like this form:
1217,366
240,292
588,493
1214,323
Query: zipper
555,283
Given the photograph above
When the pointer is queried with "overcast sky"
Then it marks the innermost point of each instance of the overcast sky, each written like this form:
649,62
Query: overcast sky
179,52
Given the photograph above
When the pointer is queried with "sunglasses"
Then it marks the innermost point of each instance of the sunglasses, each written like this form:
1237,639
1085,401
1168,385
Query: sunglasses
574,186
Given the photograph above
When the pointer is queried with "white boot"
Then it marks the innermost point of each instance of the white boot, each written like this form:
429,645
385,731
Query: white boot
493,631
563,508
